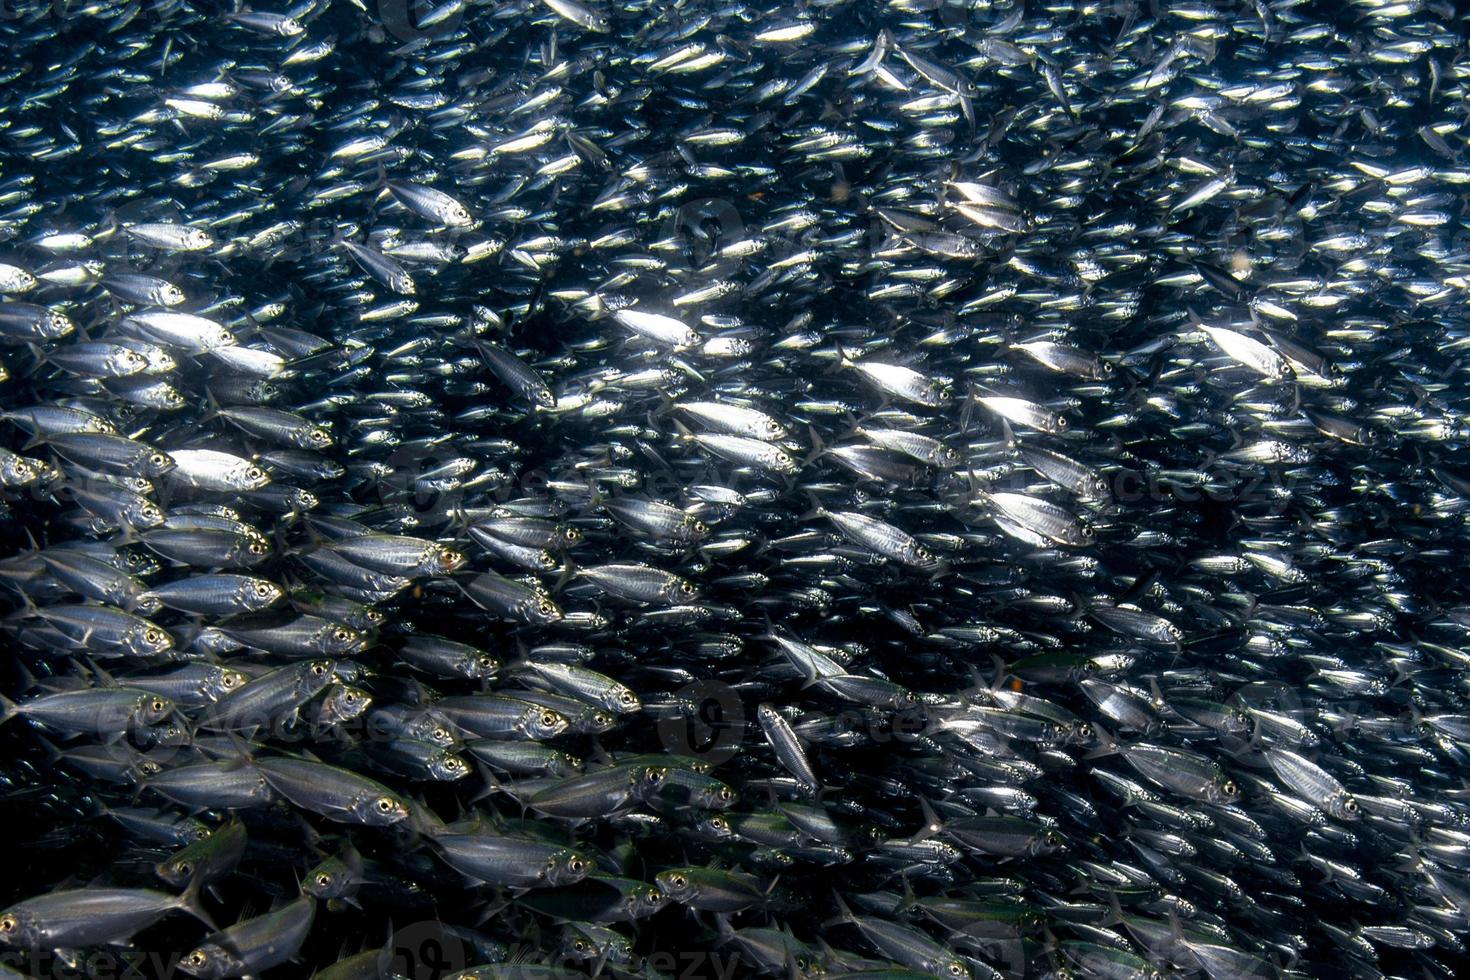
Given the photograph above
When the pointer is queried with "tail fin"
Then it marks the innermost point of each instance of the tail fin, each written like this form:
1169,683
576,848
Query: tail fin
1110,745
844,914
189,902
8,710
932,822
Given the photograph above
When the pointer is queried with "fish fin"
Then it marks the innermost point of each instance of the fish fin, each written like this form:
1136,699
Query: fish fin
189,901
844,914
243,756
1109,744
212,407
1000,672
817,510
932,823
1115,910
819,448
600,754
567,573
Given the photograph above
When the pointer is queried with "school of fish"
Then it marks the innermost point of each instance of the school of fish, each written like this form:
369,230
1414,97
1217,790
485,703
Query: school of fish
923,488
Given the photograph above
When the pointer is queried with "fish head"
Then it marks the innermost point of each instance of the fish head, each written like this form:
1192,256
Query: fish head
338,639
1223,790
443,560
345,703
680,591
648,781
153,708
149,640
447,767
951,967
540,723
676,884
715,828
380,811
20,929
17,471
479,666
567,868
330,879
158,463
543,611
257,594
646,901
623,701
208,962
1343,806
718,797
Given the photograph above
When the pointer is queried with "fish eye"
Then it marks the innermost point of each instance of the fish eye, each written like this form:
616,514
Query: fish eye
955,970
320,436
1087,532
157,459
686,587
1351,806
152,636
257,547
184,868
678,881
384,804
158,705
579,946
323,880
318,669
197,958
8,924
546,607
627,697
262,589
349,697
486,663
1230,789
441,734
576,864
341,634
548,718
1061,422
